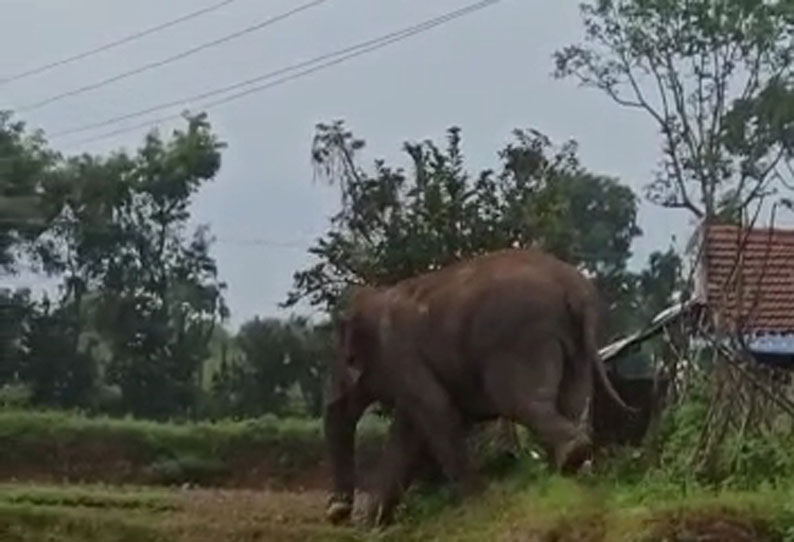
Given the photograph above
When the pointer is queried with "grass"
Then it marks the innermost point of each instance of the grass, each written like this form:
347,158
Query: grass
559,509
58,446
58,452
541,509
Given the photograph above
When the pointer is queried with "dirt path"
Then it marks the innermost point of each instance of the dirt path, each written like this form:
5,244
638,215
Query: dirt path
72,514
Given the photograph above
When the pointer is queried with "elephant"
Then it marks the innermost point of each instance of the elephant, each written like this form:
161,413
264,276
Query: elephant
508,334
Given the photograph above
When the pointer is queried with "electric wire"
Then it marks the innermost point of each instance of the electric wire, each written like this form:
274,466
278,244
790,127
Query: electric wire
113,44
375,45
171,59
241,84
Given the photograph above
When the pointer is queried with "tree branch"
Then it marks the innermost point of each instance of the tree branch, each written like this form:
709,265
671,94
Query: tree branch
671,142
763,179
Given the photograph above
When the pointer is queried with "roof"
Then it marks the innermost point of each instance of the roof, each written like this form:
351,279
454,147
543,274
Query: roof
656,326
749,278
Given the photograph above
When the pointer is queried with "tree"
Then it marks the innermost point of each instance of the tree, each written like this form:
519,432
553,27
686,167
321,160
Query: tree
716,79
25,163
134,280
659,283
57,371
278,357
393,224
15,308
311,351
161,297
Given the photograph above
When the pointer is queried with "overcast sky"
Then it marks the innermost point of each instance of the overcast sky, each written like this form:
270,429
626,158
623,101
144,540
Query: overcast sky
487,73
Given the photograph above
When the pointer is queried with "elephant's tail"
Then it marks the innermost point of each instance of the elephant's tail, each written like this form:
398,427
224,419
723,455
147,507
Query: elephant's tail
589,320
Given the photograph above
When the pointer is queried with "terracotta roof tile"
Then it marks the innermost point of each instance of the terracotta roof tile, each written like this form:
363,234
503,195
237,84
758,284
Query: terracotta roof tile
756,267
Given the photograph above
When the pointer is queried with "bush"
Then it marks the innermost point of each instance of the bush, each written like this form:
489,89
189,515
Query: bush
187,470
14,396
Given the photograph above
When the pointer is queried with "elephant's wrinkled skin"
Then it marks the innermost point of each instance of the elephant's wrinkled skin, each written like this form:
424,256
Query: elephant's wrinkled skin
510,334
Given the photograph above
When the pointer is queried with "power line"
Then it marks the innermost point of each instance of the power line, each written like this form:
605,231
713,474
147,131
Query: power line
247,82
116,43
184,54
356,51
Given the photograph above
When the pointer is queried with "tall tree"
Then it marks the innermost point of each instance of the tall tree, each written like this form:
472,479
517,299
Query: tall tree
15,308
278,357
394,224
161,296
715,77
58,372
115,230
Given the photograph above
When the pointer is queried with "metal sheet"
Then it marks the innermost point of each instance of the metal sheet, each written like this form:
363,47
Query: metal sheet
771,344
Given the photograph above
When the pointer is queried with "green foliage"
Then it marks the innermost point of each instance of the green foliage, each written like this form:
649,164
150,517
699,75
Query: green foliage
56,371
15,307
140,295
715,77
24,166
275,356
394,224
187,469
85,498
161,297
14,396
748,460
78,448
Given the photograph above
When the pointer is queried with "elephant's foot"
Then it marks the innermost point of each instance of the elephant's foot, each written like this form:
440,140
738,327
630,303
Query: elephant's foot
587,468
573,454
339,509
378,515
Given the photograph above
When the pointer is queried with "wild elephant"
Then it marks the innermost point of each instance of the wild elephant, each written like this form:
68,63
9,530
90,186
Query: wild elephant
509,334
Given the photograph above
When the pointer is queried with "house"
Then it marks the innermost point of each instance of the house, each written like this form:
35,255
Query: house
744,285
745,277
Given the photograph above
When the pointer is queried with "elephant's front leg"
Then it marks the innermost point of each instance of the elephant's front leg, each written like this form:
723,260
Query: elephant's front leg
402,456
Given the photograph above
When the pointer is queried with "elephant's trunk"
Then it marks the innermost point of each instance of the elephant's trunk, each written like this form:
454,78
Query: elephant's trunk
340,420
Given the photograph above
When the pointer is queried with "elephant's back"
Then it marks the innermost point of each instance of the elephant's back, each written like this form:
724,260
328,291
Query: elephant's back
480,307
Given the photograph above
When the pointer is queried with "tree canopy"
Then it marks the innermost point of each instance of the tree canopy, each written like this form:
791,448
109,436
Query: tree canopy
133,279
395,223
715,77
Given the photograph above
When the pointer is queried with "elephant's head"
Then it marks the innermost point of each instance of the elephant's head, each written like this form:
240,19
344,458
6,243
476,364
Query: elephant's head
349,393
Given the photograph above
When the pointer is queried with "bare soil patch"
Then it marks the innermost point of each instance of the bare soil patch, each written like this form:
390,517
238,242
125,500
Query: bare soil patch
725,525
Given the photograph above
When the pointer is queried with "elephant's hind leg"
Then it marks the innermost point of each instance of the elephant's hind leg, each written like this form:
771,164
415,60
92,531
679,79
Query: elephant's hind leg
440,424
526,390
576,392
402,456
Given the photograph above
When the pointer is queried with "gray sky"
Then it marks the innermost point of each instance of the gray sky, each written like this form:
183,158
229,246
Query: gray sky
487,73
